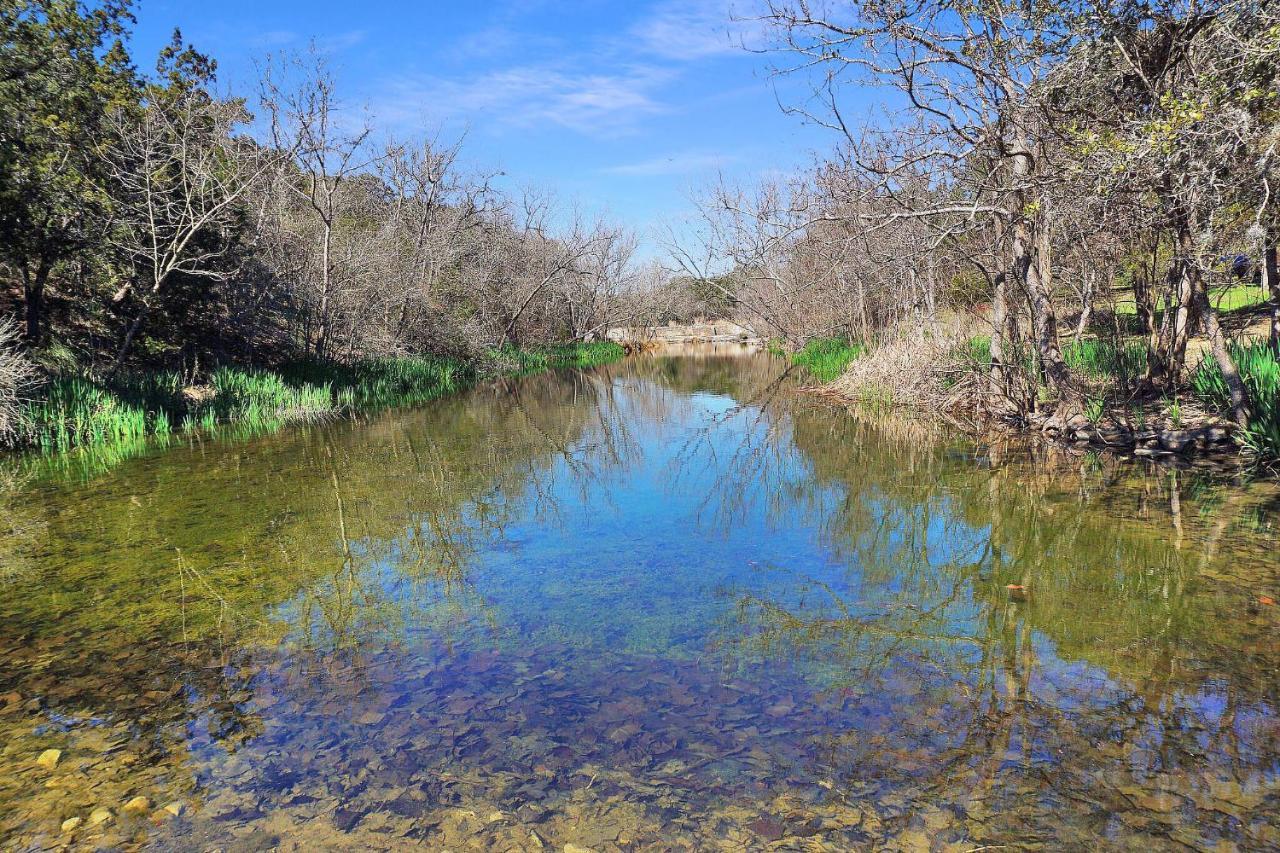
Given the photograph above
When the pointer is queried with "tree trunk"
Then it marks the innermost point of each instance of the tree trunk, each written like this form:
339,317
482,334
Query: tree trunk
1033,267
1218,345
33,298
1027,267
1271,280
128,339
999,321
1177,321
1086,308
322,331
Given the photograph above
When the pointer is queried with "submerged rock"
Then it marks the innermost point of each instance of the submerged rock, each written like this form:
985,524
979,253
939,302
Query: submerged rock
49,758
137,806
100,816
70,824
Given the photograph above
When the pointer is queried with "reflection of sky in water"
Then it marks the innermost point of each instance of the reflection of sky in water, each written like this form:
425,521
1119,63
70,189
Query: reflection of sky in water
799,597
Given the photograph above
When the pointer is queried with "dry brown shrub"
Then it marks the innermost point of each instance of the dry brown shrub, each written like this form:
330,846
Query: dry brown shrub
916,367
17,377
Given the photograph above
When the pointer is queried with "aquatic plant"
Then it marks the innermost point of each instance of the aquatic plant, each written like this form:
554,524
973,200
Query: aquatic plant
1260,369
827,358
78,410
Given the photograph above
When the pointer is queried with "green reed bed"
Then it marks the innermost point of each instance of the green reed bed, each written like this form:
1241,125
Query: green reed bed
1099,359
521,362
383,382
1260,369
827,358
77,410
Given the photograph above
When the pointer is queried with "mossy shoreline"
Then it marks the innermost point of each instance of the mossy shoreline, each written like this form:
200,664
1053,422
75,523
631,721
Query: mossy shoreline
71,411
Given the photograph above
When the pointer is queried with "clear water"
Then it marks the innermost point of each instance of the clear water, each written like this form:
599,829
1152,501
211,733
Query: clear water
668,604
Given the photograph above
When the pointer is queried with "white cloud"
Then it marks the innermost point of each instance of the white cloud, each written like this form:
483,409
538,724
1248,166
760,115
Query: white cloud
598,104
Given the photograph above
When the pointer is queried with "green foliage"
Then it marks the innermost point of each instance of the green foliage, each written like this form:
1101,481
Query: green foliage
1093,409
827,358
75,410
1260,369
1096,358
63,69
1105,359
978,350
1236,297
522,362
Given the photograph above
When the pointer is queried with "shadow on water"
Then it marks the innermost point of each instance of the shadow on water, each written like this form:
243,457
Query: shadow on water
668,601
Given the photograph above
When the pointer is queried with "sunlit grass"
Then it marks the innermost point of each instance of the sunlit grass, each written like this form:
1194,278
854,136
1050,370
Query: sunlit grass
1234,297
827,358
525,361
80,411
1101,359
1260,370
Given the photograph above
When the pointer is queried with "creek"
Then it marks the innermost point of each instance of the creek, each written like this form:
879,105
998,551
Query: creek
669,602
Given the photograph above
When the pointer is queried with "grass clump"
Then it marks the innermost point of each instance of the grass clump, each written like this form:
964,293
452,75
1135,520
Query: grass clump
1260,369
581,355
78,410
828,358
75,410
1102,359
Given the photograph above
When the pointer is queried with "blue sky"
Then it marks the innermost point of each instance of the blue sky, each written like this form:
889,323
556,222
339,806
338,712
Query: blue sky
625,107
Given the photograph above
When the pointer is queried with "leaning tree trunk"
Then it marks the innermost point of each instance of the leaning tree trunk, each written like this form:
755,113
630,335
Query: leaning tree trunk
1221,354
132,333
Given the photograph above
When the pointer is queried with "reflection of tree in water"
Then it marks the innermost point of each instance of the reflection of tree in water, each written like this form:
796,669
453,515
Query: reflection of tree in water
21,526
339,538
974,697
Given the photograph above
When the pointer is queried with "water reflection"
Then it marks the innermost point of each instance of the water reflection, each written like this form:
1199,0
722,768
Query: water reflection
664,602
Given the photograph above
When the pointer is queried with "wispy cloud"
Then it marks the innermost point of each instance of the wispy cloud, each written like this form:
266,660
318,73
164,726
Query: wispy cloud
497,41
341,41
597,104
682,163
690,30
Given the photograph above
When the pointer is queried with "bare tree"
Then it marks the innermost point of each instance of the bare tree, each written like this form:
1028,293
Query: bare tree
175,177
971,82
299,95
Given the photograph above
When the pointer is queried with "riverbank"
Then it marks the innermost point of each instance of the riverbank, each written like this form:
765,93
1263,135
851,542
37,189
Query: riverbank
70,411
947,376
